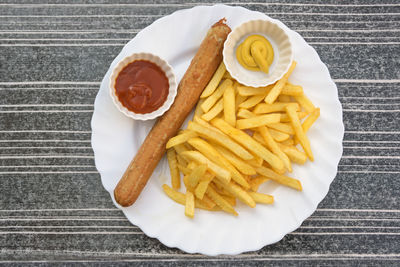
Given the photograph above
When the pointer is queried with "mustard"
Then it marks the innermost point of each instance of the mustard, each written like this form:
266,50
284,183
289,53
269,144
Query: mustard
255,53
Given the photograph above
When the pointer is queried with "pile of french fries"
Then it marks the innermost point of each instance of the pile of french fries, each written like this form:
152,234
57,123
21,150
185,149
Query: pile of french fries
239,138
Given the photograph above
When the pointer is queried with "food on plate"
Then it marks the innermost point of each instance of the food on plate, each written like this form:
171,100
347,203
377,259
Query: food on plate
255,53
196,78
242,142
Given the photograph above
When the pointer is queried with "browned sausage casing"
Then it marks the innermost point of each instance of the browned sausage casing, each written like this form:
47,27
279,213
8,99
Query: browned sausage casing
199,73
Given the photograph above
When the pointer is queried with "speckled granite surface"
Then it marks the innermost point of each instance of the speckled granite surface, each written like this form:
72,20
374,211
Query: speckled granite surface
53,208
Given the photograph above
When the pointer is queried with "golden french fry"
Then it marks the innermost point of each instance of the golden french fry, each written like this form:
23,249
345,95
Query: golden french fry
211,153
257,136
284,98
237,191
276,90
301,115
256,182
249,91
279,178
173,168
181,160
305,102
229,106
212,99
303,140
220,138
180,138
220,172
239,99
181,148
249,143
257,161
288,142
227,75
241,165
262,198
230,200
220,201
196,174
310,120
292,90
215,80
214,111
183,169
269,108
189,204
198,111
282,127
252,101
273,146
244,114
278,136
257,121
203,184
221,190
180,198
294,154
208,202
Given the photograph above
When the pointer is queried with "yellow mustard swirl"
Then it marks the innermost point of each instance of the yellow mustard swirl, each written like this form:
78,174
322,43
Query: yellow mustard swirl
255,53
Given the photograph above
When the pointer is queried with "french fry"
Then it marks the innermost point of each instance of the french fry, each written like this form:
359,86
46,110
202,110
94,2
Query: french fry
294,154
181,160
256,182
239,99
203,184
196,174
180,198
237,191
303,140
208,202
288,142
214,111
198,111
284,98
221,139
189,204
180,138
282,127
252,101
279,178
301,115
211,153
221,190
305,102
262,198
220,173
244,114
183,169
276,90
273,146
173,169
241,165
220,201
310,120
257,121
257,161
257,136
275,107
278,136
229,106
249,143
227,75
212,99
181,148
230,200
250,91
292,90
215,80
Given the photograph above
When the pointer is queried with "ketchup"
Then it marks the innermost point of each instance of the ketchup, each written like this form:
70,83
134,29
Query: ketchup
142,87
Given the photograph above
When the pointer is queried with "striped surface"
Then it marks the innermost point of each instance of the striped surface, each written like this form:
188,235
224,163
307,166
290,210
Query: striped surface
53,208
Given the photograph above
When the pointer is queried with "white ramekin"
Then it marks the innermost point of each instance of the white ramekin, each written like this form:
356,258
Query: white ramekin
280,41
165,67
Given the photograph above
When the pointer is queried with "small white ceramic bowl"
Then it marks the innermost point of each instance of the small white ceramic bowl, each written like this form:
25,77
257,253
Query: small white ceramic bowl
165,67
280,41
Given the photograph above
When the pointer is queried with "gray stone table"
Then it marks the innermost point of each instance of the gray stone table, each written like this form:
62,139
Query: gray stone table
53,208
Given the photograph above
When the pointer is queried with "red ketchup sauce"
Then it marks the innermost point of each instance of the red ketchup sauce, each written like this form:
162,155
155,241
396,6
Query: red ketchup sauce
142,87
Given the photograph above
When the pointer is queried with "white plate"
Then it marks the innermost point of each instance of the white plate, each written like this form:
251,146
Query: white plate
116,138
